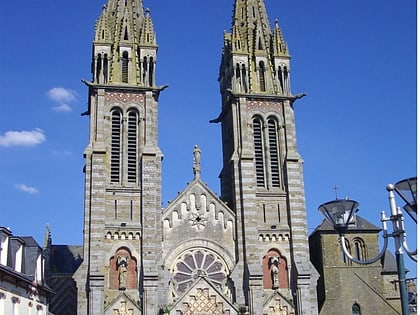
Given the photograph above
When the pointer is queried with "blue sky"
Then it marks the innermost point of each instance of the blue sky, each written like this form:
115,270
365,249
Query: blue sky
356,128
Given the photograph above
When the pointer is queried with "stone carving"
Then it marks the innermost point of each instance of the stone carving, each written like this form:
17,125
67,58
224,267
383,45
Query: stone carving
122,264
123,309
274,264
197,162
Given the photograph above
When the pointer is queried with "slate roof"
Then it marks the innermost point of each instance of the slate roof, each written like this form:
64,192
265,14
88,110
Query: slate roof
65,259
360,225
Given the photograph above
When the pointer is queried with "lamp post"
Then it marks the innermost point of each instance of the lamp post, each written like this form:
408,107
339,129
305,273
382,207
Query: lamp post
341,212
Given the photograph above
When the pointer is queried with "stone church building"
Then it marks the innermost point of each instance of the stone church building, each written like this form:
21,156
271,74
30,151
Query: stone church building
245,252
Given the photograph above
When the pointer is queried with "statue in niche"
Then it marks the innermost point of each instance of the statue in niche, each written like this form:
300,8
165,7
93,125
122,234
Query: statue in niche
274,264
122,264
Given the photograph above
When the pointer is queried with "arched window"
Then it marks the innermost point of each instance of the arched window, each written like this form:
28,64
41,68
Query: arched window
105,68
115,145
244,79
274,152
124,67
359,249
196,263
98,67
283,78
258,151
262,76
144,70
346,260
132,146
238,77
355,309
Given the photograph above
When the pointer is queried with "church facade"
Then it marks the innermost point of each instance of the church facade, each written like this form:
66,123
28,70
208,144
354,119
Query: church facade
245,252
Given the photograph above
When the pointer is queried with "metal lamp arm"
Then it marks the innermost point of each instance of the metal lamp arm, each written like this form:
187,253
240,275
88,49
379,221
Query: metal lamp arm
410,253
364,262
372,260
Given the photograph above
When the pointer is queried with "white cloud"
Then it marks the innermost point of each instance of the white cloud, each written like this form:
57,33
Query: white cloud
27,189
22,138
60,95
62,108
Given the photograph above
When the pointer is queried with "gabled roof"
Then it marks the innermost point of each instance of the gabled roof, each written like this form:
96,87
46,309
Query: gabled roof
359,225
197,186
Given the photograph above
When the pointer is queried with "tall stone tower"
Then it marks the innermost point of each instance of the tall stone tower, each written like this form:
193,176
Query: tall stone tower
123,166
244,253
261,179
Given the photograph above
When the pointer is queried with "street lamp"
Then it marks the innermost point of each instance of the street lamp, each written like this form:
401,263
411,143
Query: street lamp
341,212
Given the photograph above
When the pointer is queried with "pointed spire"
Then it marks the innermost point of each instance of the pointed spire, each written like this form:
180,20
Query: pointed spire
258,55
124,38
147,35
47,237
279,44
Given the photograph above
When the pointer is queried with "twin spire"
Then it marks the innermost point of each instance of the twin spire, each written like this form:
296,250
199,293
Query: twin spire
255,58
124,45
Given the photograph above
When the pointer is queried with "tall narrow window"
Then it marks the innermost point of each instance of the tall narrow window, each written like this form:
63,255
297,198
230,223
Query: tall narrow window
132,147
359,249
262,76
244,79
98,68
124,67
151,71
286,80
281,80
274,153
105,68
115,146
238,78
144,70
259,153
126,33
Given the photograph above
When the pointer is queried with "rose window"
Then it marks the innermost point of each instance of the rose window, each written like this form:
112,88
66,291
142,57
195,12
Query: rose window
196,264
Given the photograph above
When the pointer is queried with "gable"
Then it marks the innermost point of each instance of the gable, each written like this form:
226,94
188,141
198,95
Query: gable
198,214
122,305
204,299
278,304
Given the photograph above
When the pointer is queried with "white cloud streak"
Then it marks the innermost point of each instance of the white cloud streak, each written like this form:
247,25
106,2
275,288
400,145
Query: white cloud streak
62,96
27,189
22,138
62,108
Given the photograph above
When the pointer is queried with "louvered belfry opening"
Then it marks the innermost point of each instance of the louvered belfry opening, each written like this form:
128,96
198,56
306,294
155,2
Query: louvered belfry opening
115,146
132,146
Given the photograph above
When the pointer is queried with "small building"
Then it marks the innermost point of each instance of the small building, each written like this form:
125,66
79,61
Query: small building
345,287
23,289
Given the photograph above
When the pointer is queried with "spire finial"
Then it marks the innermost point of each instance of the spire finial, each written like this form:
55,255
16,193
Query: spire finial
197,162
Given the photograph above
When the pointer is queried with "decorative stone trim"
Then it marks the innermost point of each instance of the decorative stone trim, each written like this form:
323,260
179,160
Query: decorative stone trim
130,236
274,237
124,97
